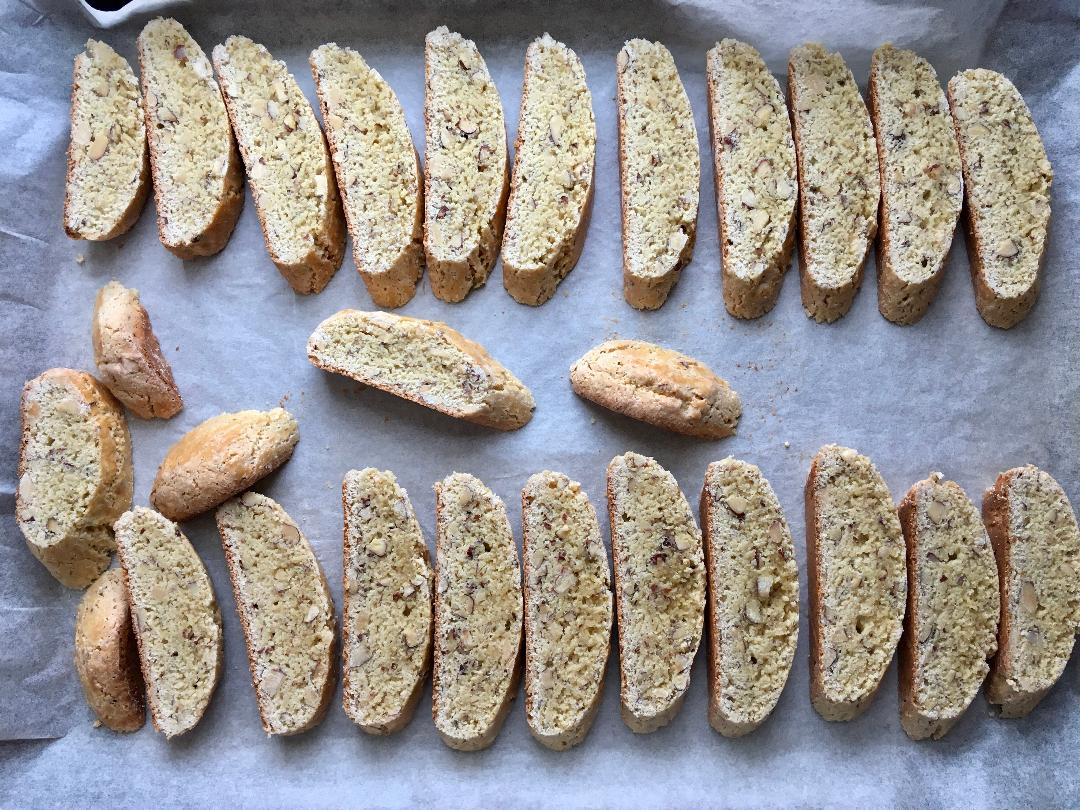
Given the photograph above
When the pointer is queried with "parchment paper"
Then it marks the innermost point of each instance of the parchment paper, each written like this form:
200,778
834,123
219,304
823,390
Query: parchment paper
948,394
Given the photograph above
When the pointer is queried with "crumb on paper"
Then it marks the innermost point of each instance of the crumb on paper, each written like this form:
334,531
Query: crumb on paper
79,258
284,399
787,444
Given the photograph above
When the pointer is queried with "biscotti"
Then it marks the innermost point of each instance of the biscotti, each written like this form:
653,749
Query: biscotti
478,613
108,164
466,176
857,581
659,171
423,361
753,596
659,386
1033,530
756,176
176,618
1007,179
950,629
288,164
568,609
75,473
552,188
221,458
198,180
386,622
838,180
378,172
659,588
285,610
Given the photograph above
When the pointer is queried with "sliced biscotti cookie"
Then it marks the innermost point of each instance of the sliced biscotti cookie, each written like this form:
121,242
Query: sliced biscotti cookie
386,623
838,180
466,176
285,610
198,179
478,614
659,386
423,361
857,581
221,458
75,473
176,618
950,628
659,170
108,164
1007,179
756,177
1033,530
377,169
568,609
552,189
753,596
659,588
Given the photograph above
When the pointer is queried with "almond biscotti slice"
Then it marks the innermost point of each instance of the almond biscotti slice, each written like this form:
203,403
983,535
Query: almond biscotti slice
756,178
839,185
552,189
950,629
858,585
753,603
1033,530
659,170
659,588
377,170
568,609
423,361
108,164
1007,179
478,613
386,623
466,178
176,618
198,179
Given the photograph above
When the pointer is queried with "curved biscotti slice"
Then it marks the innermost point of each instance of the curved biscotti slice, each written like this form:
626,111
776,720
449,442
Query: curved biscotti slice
1033,530
753,598
1007,179
467,173
756,178
221,458
950,628
478,612
198,179
176,618
423,361
659,170
552,189
285,610
659,386
659,588
568,609
838,180
857,581
386,624
108,164
75,473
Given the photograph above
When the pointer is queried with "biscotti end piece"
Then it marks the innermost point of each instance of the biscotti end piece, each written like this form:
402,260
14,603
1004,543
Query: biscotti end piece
108,164
1033,530
660,171
756,177
753,603
857,581
386,622
950,628
377,170
1007,179
466,176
